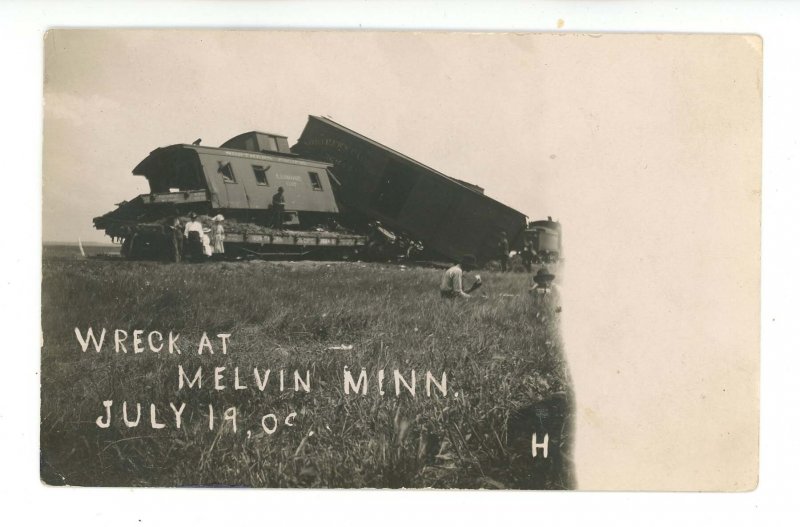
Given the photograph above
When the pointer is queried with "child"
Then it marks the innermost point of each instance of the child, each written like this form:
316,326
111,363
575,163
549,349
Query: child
545,291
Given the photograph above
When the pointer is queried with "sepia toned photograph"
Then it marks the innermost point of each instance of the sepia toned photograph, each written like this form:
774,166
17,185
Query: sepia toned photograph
321,259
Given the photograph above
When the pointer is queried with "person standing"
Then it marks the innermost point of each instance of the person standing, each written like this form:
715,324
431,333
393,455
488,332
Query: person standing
218,235
193,232
527,256
502,251
278,205
452,285
176,238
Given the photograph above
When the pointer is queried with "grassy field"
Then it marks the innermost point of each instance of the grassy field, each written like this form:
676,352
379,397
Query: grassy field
501,354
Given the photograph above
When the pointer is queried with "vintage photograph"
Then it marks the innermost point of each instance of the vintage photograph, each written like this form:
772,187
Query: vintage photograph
320,259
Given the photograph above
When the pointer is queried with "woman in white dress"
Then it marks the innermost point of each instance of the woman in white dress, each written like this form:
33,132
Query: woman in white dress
218,235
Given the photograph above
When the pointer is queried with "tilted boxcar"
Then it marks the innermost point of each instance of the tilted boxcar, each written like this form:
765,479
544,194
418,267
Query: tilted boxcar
450,217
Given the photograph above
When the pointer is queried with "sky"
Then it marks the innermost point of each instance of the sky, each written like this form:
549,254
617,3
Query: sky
646,147
112,97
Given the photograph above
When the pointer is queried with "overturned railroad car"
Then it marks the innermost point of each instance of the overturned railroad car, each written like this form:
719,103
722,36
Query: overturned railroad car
449,217
238,180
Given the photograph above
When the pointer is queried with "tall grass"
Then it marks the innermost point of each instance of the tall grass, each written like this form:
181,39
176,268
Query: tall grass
500,356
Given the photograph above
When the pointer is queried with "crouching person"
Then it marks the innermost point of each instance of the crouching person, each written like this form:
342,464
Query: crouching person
453,279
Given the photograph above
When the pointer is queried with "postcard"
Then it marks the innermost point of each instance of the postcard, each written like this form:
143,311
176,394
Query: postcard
356,259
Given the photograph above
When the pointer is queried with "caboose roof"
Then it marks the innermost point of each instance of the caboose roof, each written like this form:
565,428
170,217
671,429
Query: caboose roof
143,167
254,132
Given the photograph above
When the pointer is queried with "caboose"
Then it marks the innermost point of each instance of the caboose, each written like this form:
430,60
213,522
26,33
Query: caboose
238,180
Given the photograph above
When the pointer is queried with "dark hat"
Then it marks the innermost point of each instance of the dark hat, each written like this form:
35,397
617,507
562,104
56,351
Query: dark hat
280,189
543,276
468,261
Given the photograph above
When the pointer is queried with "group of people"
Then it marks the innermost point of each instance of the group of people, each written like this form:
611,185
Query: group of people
527,254
452,284
194,242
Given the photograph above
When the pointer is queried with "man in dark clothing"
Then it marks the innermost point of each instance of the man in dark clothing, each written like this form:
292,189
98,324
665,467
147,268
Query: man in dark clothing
176,238
502,251
278,204
527,256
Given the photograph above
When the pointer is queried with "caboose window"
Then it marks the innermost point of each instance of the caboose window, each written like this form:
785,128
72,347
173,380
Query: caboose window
268,144
227,172
250,144
316,184
261,175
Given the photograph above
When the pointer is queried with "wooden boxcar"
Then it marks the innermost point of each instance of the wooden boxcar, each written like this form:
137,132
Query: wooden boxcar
450,217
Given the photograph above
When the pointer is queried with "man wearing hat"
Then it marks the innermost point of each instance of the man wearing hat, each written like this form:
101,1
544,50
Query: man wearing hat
278,204
452,280
502,252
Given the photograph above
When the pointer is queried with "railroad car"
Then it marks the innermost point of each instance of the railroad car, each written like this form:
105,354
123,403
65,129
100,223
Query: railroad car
237,180
346,195
545,238
449,217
